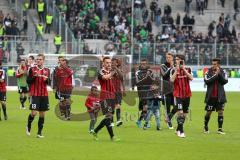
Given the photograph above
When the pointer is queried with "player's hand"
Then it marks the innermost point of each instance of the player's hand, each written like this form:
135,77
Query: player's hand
112,73
185,71
177,67
183,67
218,70
44,77
35,74
148,73
171,64
1,80
21,71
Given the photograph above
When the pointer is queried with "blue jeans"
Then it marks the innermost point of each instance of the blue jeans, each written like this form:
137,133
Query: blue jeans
158,20
153,109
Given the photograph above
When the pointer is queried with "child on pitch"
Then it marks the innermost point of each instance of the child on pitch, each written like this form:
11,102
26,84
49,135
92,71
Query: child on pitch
93,106
153,104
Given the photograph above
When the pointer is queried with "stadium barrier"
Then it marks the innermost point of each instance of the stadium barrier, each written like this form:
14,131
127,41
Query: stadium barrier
197,55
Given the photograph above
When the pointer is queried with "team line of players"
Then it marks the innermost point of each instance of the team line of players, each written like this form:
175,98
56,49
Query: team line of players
151,91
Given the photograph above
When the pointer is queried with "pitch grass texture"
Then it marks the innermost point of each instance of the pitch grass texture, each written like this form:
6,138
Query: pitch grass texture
66,140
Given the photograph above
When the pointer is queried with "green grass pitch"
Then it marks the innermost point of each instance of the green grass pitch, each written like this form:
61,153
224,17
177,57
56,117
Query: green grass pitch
71,140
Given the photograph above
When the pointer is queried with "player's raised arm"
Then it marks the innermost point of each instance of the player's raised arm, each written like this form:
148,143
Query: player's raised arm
165,71
31,77
211,75
173,74
188,73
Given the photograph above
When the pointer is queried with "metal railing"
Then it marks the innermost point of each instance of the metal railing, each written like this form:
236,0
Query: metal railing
196,54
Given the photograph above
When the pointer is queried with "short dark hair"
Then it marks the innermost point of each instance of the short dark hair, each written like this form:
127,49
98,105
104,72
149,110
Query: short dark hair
117,60
93,87
106,58
181,56
32,57
143,60
169,53
216,60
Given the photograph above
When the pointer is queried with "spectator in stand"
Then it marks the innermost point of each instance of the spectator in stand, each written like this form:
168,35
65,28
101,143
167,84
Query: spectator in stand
187,5
25,26
222,3
41,10
101,8
158,17
191,23
153,7
178,19
211,28
221,18
167,10
205,4
145,15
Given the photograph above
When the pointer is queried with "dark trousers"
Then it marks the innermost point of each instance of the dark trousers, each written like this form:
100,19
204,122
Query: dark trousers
57,48
48,28
32,4
222,3
41,16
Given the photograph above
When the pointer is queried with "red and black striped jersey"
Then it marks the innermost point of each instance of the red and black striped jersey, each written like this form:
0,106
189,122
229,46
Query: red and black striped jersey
2,84
63,79
181,88
107,87
24,68
117,83
38,84
215,90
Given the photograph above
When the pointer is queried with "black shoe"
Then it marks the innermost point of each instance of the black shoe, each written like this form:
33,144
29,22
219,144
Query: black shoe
220,131
5,117
170,125
40,136
205,130
158,128
119,123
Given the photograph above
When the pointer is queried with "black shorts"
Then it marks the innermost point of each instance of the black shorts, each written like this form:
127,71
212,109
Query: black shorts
182,104
3,96
214,105
118,98
142,103
169,99
62,96
107,106
22,89
39,103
